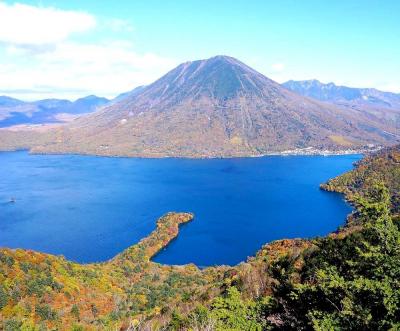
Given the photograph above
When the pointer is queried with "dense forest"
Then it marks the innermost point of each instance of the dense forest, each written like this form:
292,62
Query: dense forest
349,280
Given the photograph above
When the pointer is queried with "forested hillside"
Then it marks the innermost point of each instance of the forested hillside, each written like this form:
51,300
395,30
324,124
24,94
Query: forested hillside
349,280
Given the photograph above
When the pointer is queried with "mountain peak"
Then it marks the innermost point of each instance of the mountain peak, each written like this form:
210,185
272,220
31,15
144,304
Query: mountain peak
220,58
92,99
215,107
228,63
214,59
224,59
220,78
306,83
8,101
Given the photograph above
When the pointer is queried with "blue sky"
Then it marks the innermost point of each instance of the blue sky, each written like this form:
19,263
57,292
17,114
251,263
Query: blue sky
73,48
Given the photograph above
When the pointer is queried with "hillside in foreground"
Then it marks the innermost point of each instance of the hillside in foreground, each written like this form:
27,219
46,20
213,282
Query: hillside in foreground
218,107
346,281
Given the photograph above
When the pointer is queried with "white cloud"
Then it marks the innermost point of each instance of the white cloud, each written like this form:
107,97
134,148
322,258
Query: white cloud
28,25
118,25
41,58
390,87
277,67
71,70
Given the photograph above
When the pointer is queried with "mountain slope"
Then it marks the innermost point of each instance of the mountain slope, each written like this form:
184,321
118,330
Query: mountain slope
9,102
86,104
130,93
217,107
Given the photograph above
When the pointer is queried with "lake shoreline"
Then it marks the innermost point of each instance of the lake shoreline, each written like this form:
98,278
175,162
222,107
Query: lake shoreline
307,151
75,191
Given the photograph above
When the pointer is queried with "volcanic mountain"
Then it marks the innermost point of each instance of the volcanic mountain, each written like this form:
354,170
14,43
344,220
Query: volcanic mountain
217,107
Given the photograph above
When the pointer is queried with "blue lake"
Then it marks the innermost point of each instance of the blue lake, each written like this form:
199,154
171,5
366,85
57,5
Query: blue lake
91,208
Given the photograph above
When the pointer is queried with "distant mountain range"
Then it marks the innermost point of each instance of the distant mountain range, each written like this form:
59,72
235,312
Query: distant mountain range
379,106
16,112
217,107
343,94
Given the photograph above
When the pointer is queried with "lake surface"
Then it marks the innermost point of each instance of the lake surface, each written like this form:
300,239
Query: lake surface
91,208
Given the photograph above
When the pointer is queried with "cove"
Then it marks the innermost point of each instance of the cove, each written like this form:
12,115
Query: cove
90,208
